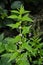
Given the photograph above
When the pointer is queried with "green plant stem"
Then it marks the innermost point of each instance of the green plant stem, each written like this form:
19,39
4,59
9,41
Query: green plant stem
20,32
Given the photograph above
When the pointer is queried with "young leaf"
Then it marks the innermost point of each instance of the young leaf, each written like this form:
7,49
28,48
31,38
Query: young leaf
21,10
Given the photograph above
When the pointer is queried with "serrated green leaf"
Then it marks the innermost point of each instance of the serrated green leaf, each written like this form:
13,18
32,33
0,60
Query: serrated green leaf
22,60
14,56
17,39
9,40
27,47
15,11
13,16
25,12
26,30
13,40
26,18
14,25
6,55
10,47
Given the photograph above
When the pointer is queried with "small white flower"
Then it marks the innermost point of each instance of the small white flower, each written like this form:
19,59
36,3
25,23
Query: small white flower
20,27
20,34
20,42
30,34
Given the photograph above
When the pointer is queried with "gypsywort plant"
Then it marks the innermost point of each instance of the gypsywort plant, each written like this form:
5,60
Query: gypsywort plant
21,16
19,49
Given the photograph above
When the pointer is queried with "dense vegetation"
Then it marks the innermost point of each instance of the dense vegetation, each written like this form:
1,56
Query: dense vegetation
21,32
